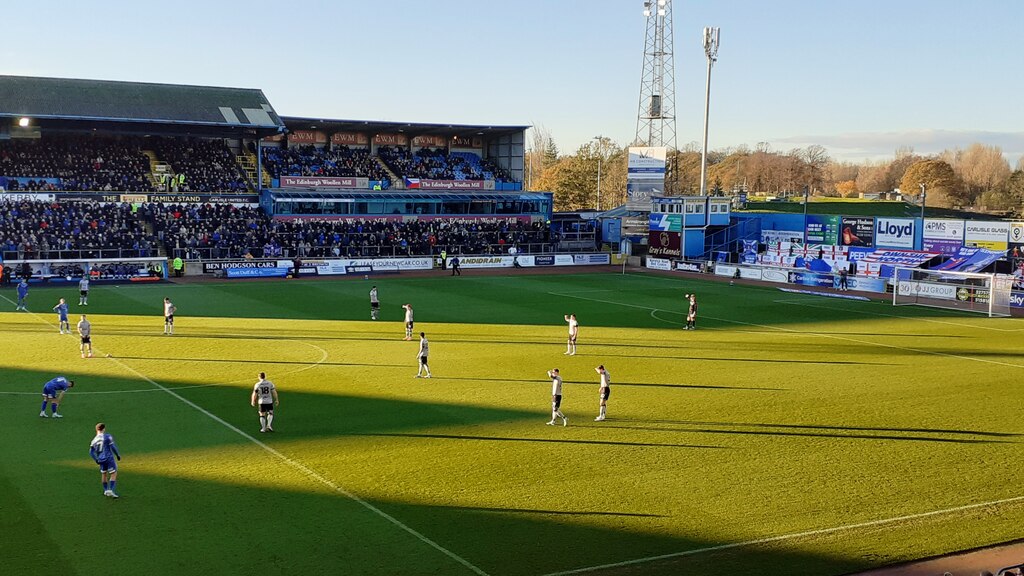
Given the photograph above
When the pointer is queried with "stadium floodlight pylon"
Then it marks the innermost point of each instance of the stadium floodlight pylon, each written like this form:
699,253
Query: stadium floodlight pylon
987,294
656,117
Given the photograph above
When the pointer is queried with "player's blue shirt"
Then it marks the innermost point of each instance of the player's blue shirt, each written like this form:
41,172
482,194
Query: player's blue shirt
103,448
58,384
22,290
62,309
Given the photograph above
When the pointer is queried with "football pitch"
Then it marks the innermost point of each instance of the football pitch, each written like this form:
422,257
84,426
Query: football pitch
789,434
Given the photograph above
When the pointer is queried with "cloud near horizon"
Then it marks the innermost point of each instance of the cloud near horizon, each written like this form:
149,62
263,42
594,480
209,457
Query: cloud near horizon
859,146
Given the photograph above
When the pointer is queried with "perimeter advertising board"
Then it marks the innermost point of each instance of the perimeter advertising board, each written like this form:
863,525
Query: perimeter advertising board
943,236
822,229
991,235
894,232
857,231
664,244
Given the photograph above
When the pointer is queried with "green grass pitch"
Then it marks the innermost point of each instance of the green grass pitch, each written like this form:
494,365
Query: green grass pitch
790,434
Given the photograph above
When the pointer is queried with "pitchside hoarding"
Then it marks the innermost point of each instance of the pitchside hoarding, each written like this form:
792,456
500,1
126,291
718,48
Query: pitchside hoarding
324,182
857,231
991,235
664,244
943,236
894,232
822,229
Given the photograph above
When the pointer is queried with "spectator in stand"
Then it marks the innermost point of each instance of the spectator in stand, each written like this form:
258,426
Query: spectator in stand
43,229
85,163
201,166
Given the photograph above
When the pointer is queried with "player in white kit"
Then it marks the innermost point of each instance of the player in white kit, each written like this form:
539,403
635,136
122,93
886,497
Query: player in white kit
374,304
83,290
422,355
408,321
85,333
556,398
169,310
606,391
265,393
574,330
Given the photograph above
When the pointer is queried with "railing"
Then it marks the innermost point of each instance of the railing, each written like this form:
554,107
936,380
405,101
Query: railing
84,254
725,240
353,252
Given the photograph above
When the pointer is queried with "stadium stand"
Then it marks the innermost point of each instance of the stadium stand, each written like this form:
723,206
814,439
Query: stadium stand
207,164
75,163
48,230
309,160
205,231
438,165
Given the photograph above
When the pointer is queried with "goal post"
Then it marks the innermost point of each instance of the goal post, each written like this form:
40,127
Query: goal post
987,294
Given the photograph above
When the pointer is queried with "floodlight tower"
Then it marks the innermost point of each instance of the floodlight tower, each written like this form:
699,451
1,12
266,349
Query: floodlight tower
656,117
711,36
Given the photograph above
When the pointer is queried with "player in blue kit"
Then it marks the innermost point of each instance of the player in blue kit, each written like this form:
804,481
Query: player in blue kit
22,294
53,393
103,452
62,313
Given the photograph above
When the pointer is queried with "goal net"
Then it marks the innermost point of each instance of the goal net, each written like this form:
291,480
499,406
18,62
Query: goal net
967,291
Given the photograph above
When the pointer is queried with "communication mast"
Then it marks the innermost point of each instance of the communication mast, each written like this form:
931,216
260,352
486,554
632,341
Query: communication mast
656,117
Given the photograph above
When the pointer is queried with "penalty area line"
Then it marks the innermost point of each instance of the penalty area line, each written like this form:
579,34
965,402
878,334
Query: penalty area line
792,536
302,468
791,331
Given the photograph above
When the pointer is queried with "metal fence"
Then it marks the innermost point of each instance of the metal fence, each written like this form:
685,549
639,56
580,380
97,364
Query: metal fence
358,252
87,254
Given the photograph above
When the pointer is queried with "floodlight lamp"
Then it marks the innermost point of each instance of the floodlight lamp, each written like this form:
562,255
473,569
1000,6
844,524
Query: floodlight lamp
661,2
647,13
23,122
661,11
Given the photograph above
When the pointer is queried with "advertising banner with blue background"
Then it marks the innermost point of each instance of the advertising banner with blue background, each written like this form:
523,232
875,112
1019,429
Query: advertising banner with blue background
822,229
971,259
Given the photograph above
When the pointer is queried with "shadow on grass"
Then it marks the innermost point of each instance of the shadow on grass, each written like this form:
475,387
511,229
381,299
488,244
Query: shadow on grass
316,529
750,360
616,384
849,428
265,362
543,440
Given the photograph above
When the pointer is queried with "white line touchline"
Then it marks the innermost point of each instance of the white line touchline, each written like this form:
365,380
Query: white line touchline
310,473
798,332
323,358
792,536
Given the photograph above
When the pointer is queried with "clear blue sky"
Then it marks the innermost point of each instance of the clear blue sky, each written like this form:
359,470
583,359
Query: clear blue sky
859,77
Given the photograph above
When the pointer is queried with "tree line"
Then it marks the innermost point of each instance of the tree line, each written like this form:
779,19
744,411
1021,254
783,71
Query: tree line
975,178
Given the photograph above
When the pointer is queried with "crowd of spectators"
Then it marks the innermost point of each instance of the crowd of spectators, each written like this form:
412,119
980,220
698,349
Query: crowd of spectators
207,230
38,229
33,229
79,162
309,160
436,164
207,165
226,231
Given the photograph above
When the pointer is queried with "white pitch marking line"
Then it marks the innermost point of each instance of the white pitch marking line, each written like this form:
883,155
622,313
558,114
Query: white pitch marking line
323,358
194,386
799,302
309,472
819,334
806,534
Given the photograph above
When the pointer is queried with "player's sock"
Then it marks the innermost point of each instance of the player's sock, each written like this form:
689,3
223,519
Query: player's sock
43,409
603,410
113,485
270,420
104,487
263,423
53,408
